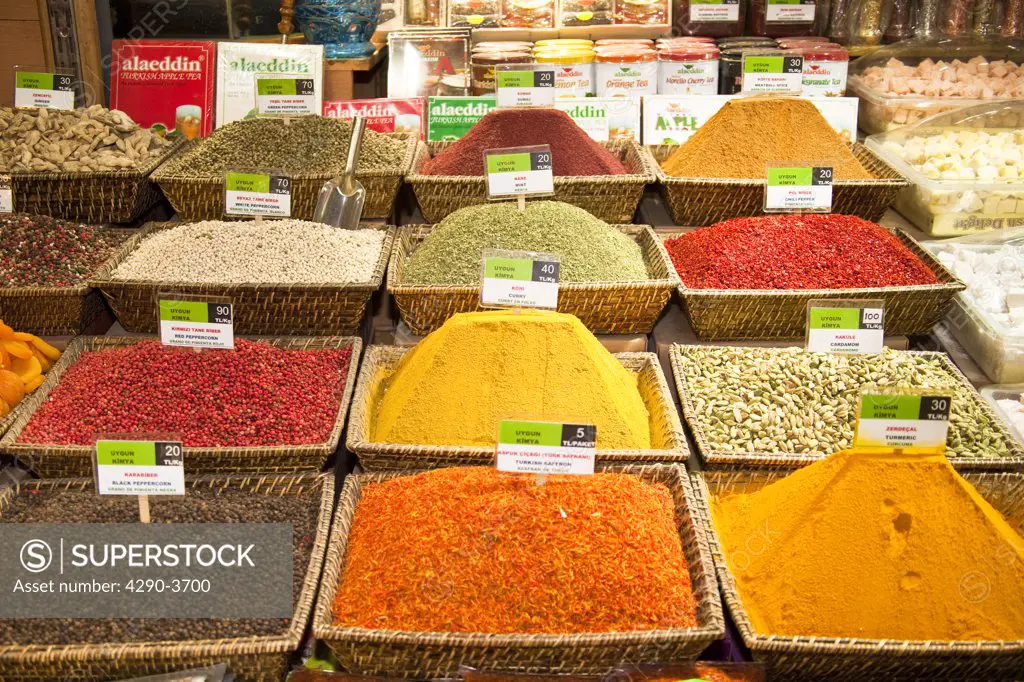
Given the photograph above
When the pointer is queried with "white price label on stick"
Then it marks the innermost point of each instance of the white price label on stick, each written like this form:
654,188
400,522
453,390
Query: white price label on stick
519,172
138,467
807,188
519,279
773,73
279,96
524,85
527,447
845,326
6,194
918,420
197,324
43,90
257,194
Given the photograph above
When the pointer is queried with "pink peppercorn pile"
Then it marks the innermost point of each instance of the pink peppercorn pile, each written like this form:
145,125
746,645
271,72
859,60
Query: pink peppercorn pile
255,395
817,251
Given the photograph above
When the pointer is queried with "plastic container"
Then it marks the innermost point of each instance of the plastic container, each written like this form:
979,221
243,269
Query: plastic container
564,42
626,71
719,20
979,319
528,13
888,98
575,74
483,64
585,13
825,71
779,18
502,46
474,13
641,12
688,70
966,168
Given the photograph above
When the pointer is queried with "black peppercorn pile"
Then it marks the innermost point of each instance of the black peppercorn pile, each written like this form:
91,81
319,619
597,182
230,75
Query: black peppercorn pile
199,506
46,252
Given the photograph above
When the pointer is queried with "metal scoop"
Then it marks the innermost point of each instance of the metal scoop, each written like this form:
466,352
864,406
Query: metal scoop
340,202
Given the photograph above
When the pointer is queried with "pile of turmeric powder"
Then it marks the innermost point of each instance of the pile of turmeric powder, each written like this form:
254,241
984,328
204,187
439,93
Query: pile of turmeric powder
874,546
747,134
461,381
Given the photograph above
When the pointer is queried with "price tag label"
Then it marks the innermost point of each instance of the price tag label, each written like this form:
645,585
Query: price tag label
790,11
546,448
138,467
714,10
799,189
519,279
519,171
903,420
277,96
258,194
525,85
197,324
6,194
845,326
773,73
43,90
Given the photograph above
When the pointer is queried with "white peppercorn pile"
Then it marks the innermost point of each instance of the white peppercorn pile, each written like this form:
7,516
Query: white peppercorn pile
789,401
311,144
201,505
279,251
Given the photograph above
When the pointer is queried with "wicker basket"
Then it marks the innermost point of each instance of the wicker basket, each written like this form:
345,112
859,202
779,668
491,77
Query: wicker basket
434,654
612,198
667,438
703,201
252,659
604,307
92,197
856,660
54,311
260,308
203,198
714,457
74,461
752,314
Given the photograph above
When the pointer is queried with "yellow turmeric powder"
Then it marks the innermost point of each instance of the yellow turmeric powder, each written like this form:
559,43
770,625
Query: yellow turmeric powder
456,385
875,546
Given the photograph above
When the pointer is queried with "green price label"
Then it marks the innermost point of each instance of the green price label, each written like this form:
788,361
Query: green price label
835,318
195,311
33,80
513,79
763,64
276,86
547,434
509,268
799,177
138,453
508,163
904,407
248,182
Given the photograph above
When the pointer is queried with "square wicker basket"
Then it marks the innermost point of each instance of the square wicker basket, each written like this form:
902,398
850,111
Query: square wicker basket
425,655
704,201
74,461
856,660
667,438
252,659
612,198
267,308
764,314
630,307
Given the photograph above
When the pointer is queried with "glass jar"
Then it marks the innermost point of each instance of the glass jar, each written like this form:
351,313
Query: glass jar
778,18
825,70
688,71
626,71
643,12
719,20
574,76
528,13
482,65
628,42
730,67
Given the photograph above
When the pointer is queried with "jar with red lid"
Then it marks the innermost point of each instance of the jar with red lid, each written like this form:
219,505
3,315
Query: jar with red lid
782,18
825,70
626,71
688,70
720,20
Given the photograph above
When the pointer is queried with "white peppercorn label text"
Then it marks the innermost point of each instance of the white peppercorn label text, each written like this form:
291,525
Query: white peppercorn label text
6,195
546,448
257,194
903,421
197,324
519,280
136,467
836,328
799,189
42,90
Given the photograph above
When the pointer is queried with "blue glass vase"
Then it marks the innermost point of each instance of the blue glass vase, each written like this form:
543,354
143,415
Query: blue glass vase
343,27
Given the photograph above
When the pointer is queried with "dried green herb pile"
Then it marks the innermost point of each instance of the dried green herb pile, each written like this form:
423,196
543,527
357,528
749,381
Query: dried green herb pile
310,144
590,249
200,505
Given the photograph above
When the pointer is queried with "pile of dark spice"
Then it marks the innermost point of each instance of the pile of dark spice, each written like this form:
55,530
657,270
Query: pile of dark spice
47,252
201,505
255,395
483,551
816,251
573,152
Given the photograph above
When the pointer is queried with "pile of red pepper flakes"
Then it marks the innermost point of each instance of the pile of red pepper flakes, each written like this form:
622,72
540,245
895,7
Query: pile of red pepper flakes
470,549
815,251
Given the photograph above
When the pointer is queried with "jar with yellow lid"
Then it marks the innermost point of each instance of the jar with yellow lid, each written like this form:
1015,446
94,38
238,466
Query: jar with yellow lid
626,71
574,76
